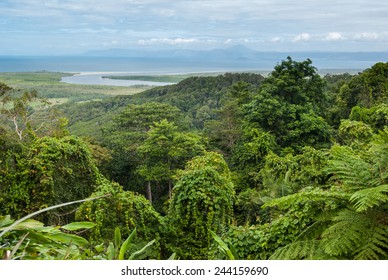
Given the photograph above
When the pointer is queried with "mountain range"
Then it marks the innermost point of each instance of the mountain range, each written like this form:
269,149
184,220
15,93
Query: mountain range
240,54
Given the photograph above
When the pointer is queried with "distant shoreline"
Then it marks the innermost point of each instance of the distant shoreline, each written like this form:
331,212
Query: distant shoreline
118,78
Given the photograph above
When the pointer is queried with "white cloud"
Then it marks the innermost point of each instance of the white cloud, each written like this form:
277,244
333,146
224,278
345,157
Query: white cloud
165,12
302,37
110,43
276,40
334,36
367,36
264,24
88,30
167,41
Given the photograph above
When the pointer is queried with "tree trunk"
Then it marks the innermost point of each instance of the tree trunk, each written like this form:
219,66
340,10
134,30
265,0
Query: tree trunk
149,191
169,189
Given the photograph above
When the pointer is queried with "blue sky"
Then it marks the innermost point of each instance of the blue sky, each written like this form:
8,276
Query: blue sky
75,26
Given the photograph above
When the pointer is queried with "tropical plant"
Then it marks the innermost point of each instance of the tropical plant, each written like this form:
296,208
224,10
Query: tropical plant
202,201
358,229
30,239
118,249
124,210
49,171
228,251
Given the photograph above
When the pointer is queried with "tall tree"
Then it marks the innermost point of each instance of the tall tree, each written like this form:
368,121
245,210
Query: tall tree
226,129
289,105
28,114
127,134
202,202
164,151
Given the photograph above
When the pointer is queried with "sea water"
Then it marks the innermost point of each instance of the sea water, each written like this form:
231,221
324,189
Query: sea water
94,68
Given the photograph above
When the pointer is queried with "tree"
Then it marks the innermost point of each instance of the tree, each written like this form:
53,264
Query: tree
141,117
202,202
367,89
226,129
297,83
289,106
127,134
164,151
346,220
120,209
50,171
29,115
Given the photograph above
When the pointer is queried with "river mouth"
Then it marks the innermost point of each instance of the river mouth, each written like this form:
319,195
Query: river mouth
97,79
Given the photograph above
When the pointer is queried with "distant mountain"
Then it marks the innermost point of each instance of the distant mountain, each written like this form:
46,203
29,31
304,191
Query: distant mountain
242,56
234,52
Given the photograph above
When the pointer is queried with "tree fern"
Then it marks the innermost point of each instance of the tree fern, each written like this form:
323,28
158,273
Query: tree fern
375,245
349,168
306,249
350,221
370,197
345,234
315,230
307,196
357,235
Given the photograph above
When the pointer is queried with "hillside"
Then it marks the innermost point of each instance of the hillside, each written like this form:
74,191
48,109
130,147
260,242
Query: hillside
290,166
189,95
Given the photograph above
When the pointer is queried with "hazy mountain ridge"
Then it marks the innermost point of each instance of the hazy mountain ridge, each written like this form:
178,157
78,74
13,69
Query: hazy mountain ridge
238,52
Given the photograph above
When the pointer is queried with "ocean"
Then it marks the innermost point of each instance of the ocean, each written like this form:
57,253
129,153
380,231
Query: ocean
89,70
79,64
97,66
163,65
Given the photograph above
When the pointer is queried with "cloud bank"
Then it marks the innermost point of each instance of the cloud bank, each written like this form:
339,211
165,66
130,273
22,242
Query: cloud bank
70,26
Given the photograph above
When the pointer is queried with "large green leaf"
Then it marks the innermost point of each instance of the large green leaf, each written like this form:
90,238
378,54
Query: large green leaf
40,238
6,221
68,238
142,250
117,239
28,224
25,218
126,244
78,225
224,248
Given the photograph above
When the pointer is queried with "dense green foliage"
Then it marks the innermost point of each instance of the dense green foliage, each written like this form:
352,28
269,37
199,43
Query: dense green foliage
289,166
202,202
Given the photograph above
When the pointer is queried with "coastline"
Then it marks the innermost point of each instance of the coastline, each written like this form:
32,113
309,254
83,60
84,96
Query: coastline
96,78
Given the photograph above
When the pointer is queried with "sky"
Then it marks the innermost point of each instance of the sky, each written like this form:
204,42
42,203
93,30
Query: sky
53,27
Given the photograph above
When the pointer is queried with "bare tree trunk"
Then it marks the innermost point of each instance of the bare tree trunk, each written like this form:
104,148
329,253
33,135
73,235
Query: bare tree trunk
149,191
169,189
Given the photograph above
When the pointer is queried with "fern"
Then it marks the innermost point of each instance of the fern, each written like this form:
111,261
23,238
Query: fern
306,196
375,245
357,235
307,249
370,197
349,169
344,235
315,230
